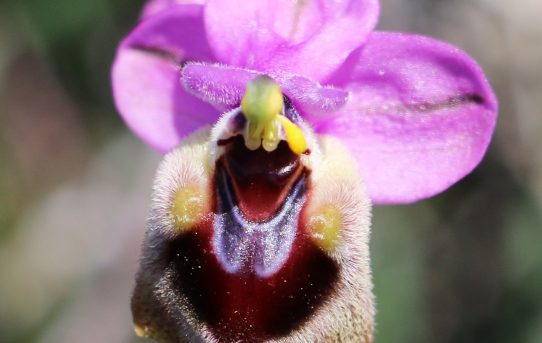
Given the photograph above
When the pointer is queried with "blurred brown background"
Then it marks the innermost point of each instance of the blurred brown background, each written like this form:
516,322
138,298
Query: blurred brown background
465,266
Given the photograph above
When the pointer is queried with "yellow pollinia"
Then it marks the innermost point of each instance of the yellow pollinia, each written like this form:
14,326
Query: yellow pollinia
263,107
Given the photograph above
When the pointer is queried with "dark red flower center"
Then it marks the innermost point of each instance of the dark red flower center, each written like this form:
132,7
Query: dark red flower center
250,271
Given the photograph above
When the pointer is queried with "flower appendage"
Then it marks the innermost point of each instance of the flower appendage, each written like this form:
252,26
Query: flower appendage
282,122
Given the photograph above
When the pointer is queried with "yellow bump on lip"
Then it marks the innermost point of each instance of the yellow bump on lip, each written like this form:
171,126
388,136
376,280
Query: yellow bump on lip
141,331
262,106
325,227
188,207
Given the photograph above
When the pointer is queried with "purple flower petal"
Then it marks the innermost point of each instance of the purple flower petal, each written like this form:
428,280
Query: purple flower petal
156,6
310,98
145,77
224,86
309,38
220,85
420,118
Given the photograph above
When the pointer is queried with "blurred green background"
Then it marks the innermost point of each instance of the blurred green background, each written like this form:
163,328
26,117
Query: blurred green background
465,266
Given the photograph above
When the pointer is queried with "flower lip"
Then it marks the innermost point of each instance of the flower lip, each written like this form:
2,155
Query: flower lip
255,247
260,278
244,308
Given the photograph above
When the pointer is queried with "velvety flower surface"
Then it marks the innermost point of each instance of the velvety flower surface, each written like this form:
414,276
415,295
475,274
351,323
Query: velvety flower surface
416,113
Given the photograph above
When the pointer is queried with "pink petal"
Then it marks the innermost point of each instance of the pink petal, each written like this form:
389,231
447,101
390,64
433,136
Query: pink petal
146,72
220,85
310,98
309,38
224,86
156,6
420,117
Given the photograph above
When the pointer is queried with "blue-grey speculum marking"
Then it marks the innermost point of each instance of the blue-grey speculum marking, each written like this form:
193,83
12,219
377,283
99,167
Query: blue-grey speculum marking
245,246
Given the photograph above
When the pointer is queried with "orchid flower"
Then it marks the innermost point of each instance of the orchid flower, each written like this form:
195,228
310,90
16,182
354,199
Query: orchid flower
283,121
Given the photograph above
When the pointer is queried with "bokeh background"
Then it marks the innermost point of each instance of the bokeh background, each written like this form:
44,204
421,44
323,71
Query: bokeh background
465,266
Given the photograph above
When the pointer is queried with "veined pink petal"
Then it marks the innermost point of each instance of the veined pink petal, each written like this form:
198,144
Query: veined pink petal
156,6
220,85
224,86
420,116
309,38
146,72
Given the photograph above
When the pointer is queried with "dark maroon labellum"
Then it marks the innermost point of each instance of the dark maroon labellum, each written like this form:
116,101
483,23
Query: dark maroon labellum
251,272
